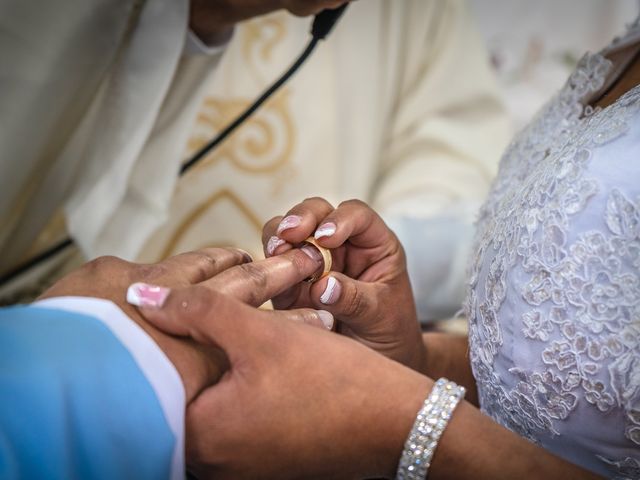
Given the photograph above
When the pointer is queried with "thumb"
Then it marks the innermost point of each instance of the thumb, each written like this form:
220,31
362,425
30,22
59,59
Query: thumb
205,315
351,301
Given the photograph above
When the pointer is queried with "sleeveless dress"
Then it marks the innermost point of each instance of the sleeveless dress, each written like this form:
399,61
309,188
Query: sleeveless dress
553,297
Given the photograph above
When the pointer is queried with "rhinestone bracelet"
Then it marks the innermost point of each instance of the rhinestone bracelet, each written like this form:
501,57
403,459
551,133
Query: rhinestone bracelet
430,422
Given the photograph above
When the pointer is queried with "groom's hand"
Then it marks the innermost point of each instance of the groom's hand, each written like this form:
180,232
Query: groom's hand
296,402
224,271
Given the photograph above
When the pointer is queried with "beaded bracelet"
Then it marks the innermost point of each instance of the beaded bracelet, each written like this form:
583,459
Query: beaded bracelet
430,422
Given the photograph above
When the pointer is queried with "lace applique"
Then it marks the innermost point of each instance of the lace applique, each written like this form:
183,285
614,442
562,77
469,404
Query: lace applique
627,469
582,295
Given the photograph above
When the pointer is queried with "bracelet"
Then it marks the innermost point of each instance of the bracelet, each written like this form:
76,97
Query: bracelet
430,422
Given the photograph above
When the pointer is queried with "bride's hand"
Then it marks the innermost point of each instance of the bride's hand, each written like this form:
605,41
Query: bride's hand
368,290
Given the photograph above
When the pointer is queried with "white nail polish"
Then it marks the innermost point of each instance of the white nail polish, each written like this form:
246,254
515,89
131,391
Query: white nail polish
273,243
145,295
326,318
325,230
291,221
331,292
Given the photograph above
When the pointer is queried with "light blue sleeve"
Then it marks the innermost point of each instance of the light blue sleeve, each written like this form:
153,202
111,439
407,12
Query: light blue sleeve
74,403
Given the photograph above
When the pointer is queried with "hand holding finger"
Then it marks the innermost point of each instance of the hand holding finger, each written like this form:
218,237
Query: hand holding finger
301,221
255,283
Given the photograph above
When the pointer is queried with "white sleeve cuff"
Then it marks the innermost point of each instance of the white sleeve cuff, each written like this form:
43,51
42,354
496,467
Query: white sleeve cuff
155,365
195,46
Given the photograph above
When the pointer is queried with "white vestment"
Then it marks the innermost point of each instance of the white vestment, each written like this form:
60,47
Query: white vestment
96,101
398,107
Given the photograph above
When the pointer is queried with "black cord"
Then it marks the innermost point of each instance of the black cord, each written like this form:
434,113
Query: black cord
322,25
35,261
200,154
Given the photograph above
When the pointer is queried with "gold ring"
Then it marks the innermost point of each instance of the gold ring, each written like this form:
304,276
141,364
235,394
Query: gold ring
326,257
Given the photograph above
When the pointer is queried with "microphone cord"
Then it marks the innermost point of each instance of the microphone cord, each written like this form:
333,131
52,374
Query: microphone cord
322,25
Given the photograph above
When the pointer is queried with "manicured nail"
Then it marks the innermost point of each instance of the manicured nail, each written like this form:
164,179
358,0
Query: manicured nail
331,292
291,221
273,243
145,295
313,253
326,318
325,230
247,256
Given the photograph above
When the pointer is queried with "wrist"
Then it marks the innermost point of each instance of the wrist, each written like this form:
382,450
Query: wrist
405,403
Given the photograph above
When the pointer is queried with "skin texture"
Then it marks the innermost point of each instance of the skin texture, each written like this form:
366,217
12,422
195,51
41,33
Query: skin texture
375,305
226,272
299,402
211,20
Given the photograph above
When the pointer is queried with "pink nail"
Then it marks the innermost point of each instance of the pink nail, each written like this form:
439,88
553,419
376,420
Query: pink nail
291,221
273,243
312,253
325,230
331,292
247,256
326,318
145,295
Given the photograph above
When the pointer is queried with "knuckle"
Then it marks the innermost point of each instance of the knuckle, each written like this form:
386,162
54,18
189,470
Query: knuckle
323,202
203,262
314,199
270,227
147,272
356,304
256,274
105,262
354,202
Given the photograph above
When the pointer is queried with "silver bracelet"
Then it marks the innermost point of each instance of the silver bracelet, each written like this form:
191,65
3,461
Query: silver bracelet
430,422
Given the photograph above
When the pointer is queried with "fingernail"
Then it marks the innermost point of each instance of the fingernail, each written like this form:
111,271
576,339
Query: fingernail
312,252
326,318
291,221
145,295
247,256
273,243
331,292
325,230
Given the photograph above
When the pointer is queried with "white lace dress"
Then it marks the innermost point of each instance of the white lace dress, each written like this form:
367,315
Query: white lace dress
554,290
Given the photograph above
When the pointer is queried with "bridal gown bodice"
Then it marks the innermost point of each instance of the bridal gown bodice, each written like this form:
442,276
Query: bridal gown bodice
554,289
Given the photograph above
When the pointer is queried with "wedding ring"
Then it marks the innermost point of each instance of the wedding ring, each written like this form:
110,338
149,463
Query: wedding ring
326,257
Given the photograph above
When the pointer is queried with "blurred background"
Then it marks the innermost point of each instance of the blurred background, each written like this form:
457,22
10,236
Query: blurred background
407,105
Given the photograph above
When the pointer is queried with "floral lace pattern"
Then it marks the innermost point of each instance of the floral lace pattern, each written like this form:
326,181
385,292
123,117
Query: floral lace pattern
559,273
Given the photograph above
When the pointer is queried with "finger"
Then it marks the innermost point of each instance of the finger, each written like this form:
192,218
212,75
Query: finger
200,265
355,221
207,316
271,243
301,221
255,283
316,318
351,301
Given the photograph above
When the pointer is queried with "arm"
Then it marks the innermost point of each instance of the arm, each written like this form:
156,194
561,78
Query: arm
447,355
90,389
341,422
77,402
